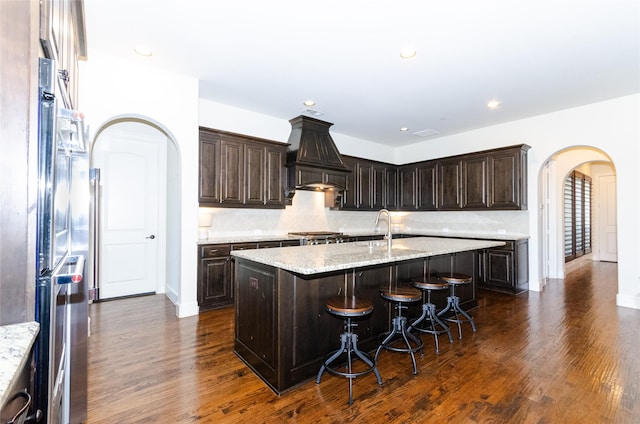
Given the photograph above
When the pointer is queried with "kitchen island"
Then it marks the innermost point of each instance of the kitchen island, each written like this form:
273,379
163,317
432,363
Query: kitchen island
282,331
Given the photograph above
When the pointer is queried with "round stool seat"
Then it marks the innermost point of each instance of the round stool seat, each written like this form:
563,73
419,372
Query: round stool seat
348,306
455,278
401,294
431,283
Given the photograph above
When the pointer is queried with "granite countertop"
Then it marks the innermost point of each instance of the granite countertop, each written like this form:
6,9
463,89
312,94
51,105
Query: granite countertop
321,258
15,344
358,233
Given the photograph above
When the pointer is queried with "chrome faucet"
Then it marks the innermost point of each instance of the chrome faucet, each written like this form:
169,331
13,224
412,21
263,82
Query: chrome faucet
387,236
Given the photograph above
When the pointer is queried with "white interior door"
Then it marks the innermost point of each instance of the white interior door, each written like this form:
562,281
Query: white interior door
608,228
129,210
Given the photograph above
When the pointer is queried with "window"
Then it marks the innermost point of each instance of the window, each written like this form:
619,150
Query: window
577,215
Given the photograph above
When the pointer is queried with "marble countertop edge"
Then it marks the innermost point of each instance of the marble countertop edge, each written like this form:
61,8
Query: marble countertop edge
317,259
16,341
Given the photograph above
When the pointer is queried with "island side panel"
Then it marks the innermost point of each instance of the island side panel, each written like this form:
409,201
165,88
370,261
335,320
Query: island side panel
256,330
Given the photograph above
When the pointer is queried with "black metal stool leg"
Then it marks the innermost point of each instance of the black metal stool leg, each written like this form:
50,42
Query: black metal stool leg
399,324
453,303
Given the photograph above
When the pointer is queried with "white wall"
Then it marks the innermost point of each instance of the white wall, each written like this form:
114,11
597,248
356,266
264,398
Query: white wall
227,118
612,126
112,87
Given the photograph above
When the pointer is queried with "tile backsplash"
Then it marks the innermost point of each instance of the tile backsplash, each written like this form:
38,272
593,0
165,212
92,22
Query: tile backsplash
307,213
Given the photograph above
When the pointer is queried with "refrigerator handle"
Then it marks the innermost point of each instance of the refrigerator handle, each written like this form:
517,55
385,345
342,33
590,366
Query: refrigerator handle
94,235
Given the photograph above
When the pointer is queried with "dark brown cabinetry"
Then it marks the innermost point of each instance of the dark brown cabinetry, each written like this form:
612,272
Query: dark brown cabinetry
369,186
507,176
407,187
240,171
506,268
450,184
214,276
216,271
474,182
492,179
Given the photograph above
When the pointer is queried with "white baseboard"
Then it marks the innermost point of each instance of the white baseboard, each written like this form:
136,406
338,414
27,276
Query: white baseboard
628,301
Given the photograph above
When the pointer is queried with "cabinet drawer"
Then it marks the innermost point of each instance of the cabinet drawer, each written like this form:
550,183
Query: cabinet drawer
244,246
268,244
215,250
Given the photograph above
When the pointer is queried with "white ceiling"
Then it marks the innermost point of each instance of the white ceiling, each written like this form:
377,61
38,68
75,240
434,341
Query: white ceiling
269,56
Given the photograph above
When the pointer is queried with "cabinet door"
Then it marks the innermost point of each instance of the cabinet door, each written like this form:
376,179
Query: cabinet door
350,195
364,184
254,178
208,188
391,188
378,186
474,182
407,191
256,313
232,175
274,190
506,177
215,282
427,186
449,184
499,268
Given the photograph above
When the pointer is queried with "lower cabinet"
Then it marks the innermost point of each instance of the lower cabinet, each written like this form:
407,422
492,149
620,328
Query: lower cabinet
216,271
506,268
214,276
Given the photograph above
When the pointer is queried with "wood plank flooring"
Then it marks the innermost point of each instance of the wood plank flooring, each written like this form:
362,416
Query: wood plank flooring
566,355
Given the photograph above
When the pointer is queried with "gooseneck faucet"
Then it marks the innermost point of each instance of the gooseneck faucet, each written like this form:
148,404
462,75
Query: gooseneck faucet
387,236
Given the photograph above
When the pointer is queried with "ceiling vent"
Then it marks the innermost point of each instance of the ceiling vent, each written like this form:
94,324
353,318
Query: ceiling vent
426,133
312,112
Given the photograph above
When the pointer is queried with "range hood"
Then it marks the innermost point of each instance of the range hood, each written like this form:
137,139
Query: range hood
313,160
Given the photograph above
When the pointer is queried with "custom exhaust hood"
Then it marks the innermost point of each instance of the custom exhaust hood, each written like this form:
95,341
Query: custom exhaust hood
313,160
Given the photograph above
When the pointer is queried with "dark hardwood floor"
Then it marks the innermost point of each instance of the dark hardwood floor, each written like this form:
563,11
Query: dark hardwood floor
566,355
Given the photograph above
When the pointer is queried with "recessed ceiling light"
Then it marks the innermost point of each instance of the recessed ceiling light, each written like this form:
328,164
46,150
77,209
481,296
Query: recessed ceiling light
407,52
309,103
493,104
404,129
143,50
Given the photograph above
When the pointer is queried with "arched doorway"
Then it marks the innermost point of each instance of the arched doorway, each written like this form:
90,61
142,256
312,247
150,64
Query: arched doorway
139,208
598,165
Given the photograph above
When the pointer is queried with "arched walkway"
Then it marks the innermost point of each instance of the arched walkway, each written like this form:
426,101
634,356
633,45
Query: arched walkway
167,239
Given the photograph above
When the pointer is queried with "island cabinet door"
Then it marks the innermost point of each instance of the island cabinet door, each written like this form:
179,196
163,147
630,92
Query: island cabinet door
256,316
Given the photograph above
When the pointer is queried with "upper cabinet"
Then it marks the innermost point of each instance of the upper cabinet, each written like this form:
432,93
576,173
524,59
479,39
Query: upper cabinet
370,185
488,180
507,173
63,39
240,171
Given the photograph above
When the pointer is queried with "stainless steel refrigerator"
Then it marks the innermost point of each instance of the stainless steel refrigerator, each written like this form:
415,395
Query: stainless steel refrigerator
64,234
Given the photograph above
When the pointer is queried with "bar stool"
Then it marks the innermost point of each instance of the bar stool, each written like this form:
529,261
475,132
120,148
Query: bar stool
453,302
399,296
429,321
348,307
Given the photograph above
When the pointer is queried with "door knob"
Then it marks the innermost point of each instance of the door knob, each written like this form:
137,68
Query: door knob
151,237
